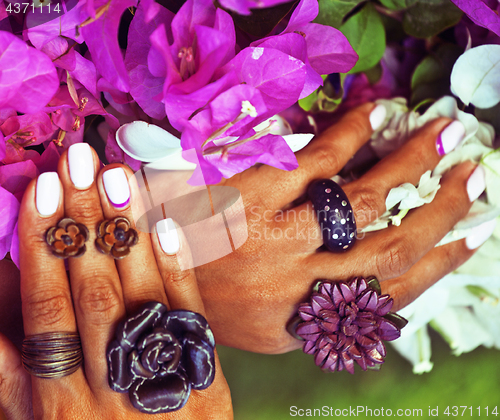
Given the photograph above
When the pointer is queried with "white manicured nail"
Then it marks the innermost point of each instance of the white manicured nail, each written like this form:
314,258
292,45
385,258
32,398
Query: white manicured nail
476,183
81,165
48,191
450,137
116,186
377,116
168,237
480,234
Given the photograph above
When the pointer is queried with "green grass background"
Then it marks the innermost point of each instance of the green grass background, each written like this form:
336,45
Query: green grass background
264,387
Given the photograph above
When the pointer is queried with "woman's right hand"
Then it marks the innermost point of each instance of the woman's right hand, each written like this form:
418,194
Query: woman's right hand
252,293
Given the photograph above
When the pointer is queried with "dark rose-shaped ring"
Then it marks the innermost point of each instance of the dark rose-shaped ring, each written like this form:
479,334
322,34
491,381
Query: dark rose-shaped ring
67,239
115,237
158,356
346,322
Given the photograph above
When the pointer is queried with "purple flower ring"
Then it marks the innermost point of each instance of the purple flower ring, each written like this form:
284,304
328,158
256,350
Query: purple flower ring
346,322
334,213
158,356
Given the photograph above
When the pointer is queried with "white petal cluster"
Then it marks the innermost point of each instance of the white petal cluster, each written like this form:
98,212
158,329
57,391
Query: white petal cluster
464,307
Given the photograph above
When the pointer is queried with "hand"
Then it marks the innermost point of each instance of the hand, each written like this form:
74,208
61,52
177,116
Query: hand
98,293
251,294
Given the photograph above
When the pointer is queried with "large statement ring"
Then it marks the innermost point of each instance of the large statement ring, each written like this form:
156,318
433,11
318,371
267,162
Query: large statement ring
345,323
334,213
52,355
158,356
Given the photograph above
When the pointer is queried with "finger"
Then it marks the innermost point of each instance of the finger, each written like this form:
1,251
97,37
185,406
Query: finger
174,259
139,275
407,164
391,252
15,383
174,262
45,292
324,157
435,265
95,285
367,195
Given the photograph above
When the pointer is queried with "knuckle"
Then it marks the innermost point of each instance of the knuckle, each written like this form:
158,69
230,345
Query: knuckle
327,159
48,308
100,303
177,277
85,210
395,258
366,203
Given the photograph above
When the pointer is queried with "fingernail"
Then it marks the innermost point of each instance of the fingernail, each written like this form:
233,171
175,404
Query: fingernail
476,183
377,116
81,165
480,234
48,191
168,237
449,138
116,186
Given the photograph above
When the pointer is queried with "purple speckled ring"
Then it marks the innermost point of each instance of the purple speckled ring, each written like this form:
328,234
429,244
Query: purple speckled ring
334,213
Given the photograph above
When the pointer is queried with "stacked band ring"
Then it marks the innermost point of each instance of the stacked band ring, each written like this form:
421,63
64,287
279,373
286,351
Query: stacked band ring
52,355
334,213
158,356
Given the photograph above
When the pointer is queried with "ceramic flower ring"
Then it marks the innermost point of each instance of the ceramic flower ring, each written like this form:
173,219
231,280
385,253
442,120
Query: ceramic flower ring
158,356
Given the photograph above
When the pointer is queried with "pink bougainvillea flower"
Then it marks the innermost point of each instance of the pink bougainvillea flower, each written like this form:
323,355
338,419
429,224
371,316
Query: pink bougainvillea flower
144,87
28,78
9,210
323,49
28,129
225,136
482,12
277,76
203,40
243,7
101,37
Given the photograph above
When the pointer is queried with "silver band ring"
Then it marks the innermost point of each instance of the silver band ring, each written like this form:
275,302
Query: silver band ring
52,355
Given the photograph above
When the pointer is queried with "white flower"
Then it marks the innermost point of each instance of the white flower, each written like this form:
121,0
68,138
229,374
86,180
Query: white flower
475,77
161,150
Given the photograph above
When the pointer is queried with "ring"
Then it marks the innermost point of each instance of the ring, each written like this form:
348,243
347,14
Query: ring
345,322
334,213
158,356
115,237
67,238
52,355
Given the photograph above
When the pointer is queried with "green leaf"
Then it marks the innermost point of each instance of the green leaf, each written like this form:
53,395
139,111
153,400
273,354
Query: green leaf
366,35
394,4
332,12
427,18
262,21
431,78
326,98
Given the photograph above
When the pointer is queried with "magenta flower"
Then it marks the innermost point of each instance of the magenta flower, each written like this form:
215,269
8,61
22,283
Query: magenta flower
346,323
322,49
28,77
243,7
482,12
9,206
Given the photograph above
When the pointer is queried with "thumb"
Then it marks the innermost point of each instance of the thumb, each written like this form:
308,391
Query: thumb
15,383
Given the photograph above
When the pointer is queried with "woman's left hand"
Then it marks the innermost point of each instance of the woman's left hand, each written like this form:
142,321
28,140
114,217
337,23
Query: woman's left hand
96,295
